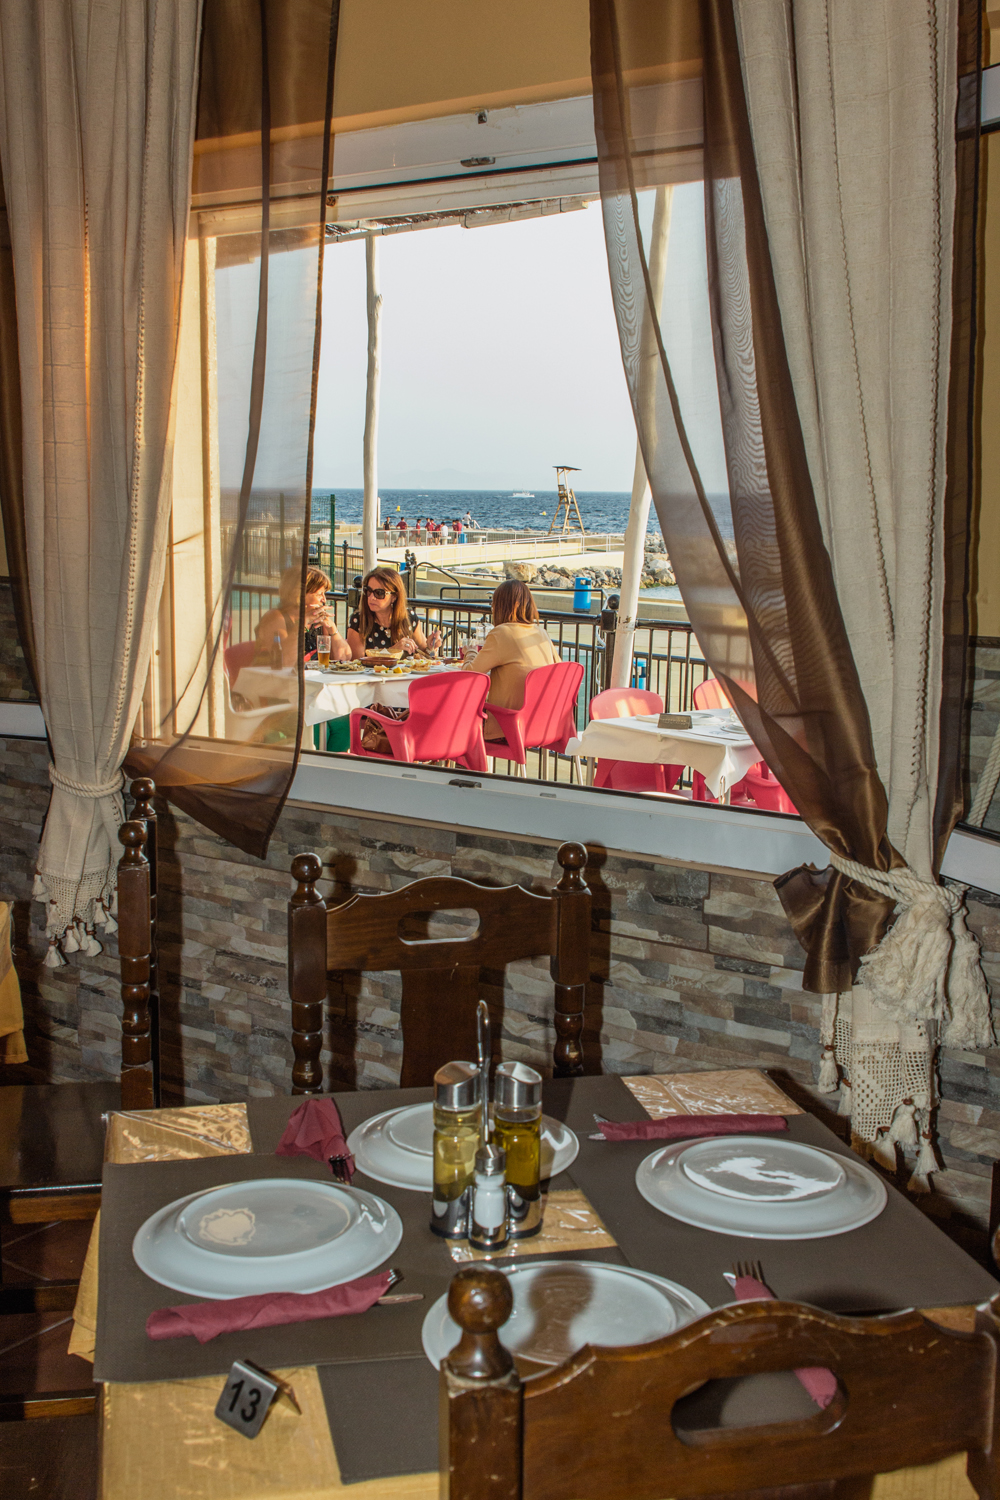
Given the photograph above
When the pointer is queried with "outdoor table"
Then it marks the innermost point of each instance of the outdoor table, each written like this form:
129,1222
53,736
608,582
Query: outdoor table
330,695
722,754
367,1392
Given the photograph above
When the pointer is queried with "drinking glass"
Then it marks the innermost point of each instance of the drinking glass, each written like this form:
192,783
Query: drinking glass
323,644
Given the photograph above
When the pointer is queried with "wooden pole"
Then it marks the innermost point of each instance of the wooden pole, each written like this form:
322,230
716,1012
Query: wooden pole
638,515
369,528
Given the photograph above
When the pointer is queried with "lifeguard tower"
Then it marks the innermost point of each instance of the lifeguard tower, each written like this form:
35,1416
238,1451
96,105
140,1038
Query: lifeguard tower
566,506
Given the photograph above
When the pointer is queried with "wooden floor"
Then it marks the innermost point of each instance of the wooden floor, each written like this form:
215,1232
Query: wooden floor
52,1458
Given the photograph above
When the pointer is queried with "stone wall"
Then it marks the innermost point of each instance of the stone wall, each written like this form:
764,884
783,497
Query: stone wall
692,968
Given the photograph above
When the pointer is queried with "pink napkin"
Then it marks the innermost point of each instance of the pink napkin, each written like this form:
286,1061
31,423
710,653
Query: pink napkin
679,1127
206,1320
819,1382
315,1129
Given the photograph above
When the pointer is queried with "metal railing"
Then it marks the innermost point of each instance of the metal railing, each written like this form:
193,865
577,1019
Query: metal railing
667,658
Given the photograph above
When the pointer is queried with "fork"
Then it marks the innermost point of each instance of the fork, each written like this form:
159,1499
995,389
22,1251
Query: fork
751,1268
340,1166
394,1277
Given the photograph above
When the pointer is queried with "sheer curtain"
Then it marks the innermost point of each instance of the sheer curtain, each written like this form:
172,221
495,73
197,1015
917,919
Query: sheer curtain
96,132
222,741
730,445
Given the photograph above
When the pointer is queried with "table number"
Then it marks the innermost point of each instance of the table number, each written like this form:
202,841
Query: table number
246,1398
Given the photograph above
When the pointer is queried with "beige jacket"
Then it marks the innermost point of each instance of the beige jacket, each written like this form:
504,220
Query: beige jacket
508,656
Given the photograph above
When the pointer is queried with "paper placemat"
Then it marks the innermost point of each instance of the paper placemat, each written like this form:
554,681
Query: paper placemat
357,1395
732,1091
177,1134
569,1224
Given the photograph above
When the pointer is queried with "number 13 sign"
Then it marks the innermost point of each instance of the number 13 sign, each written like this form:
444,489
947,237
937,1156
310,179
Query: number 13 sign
246,1398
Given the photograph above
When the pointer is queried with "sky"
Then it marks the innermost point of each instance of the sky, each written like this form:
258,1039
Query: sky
500,358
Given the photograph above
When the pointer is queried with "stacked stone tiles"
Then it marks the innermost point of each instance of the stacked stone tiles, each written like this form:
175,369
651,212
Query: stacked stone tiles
691,969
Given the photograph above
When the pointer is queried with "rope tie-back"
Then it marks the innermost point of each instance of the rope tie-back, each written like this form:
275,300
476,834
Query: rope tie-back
927,966
93,789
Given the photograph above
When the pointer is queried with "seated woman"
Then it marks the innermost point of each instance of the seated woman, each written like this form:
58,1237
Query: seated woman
281,624
515,644
382,622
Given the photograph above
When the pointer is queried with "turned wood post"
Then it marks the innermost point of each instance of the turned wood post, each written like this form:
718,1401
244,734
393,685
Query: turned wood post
307,968
570,962
480,1395
133,953
143,790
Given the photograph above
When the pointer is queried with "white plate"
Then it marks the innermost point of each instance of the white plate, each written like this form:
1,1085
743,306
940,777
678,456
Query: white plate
663,1182
274,1234
396,1147
767,1171
560,1305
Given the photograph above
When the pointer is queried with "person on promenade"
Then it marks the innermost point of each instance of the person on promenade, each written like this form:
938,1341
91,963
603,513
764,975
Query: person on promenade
382,621
282,622
418,528
469,523
442,532
386,527
515,644
458,529
402,526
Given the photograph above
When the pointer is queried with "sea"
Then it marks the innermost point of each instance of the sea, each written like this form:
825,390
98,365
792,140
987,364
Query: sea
601,510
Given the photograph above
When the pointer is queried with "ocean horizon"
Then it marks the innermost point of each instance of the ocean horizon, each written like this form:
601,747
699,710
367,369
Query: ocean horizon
600,510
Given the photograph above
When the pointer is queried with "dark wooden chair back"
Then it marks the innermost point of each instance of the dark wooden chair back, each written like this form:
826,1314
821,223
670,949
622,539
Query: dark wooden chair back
440,976
599,1427
140,1078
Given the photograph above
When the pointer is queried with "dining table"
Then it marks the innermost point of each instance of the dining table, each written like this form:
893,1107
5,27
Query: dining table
365,1412
717,745
329,693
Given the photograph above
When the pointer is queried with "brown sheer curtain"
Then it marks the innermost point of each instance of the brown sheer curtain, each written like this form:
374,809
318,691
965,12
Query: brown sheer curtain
222,742
751,561
11,469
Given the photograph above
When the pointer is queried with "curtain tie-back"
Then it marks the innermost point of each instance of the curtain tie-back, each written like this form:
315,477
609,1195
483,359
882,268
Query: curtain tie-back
927,966
93,789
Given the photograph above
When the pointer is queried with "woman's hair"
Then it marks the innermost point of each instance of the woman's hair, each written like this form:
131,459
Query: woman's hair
399,620
514,604
291,582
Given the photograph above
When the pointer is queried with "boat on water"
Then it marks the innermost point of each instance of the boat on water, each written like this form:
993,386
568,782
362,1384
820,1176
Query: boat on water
523,495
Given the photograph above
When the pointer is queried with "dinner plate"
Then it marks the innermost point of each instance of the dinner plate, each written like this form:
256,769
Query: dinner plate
272,1234
397,1147
663,1181
771,1171
560,1305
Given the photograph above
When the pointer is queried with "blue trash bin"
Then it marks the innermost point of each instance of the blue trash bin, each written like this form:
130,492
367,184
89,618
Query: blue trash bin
581,595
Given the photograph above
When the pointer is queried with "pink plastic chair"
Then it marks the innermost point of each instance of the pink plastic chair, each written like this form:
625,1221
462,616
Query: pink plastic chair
766,790
711,694
631,775
445,721
235,658
545,719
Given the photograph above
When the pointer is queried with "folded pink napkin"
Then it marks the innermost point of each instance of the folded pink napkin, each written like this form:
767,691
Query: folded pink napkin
315,1129
206,1320
819,1382
679,1127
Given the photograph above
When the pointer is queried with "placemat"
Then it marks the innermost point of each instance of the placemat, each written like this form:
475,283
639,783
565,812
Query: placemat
383,1416
126,1296
732,1091
569,1225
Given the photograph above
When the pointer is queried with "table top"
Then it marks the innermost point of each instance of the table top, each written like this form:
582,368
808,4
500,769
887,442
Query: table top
722,753
900,1259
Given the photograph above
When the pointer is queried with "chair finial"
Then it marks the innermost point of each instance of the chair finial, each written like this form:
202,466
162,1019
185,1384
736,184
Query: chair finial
307,868
572,859
132,836
480,1301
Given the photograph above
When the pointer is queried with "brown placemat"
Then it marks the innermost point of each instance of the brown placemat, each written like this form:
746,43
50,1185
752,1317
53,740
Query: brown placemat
383,1416
127,1297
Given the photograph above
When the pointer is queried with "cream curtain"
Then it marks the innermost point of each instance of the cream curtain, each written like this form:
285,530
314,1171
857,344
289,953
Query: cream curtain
853,114
96,131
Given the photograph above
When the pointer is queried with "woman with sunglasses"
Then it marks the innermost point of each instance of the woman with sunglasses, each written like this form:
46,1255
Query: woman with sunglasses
382,622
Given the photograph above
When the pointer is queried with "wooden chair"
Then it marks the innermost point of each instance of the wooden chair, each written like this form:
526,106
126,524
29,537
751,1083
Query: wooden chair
441,977
52,1135
599,1427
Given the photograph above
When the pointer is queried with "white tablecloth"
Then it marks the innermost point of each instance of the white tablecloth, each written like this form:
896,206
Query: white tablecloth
722,754
329,696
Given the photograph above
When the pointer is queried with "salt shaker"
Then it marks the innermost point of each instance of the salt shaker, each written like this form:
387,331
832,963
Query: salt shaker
488,1226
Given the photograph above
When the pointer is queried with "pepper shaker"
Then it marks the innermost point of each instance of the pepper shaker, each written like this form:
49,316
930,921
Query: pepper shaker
488,1228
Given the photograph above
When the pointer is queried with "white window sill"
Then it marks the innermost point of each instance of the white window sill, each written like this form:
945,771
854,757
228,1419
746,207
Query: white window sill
690,833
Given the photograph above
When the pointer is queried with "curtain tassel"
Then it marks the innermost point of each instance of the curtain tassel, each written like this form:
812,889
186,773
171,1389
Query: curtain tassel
903,1129
70,942
844,1108
53,958
828,1073
105,920
90,944
927,1163
883,1150
38,891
